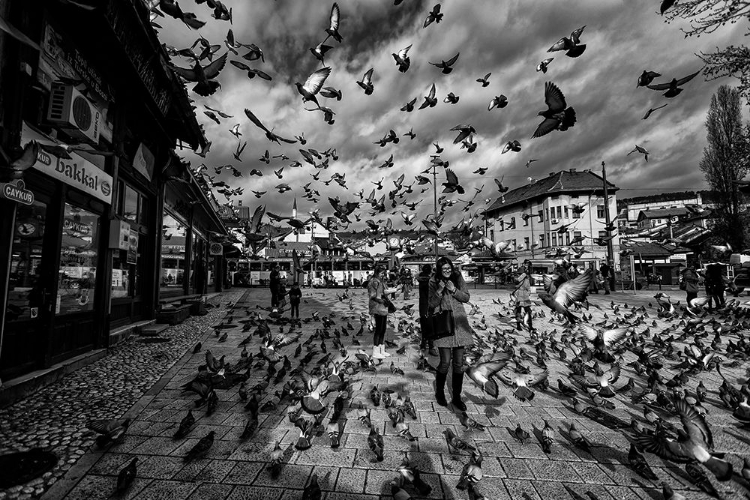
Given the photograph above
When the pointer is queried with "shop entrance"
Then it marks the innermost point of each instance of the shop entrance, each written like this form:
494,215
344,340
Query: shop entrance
54,280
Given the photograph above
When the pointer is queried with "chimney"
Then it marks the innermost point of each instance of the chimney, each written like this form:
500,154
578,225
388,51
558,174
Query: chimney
572,170
551,174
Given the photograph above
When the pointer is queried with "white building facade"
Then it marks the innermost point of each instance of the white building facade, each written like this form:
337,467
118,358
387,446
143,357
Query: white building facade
539,219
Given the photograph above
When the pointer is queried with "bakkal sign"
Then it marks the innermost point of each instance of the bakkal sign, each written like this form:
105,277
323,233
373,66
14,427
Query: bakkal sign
77,171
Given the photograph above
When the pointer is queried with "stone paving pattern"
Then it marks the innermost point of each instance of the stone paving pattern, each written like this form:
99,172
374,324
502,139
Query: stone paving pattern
234,469
55,417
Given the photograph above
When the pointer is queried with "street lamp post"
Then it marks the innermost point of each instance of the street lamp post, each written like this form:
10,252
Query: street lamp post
610,258
434,206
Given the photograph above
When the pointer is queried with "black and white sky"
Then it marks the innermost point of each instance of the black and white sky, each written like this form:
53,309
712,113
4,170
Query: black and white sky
505,38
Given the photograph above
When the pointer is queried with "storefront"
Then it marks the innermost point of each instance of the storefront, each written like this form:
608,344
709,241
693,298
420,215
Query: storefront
81,247
192,253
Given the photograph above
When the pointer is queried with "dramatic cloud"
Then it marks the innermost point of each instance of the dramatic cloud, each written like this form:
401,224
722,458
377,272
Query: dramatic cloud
507,39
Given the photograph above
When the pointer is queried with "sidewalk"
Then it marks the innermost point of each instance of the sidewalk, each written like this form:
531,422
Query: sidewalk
234,469
55,417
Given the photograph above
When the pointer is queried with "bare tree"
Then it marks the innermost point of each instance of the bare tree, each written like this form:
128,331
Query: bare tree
706,16
724,162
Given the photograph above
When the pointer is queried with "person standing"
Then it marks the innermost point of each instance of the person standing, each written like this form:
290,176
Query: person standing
295,295
448,291
690,283
378,310
522,293
605,270
425,322
273,283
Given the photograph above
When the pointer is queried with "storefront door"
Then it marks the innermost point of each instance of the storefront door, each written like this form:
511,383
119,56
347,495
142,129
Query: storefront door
74,319
31,289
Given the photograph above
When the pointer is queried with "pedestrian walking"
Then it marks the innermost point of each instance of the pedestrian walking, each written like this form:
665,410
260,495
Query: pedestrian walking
605,271
448,291
522,295
689,283
295,295
379,301
425,322
273,284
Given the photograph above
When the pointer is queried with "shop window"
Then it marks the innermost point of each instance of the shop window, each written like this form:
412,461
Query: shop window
128,265
78,257
172,273
25,286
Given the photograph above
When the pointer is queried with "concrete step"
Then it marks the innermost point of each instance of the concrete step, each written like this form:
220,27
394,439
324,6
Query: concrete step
153,329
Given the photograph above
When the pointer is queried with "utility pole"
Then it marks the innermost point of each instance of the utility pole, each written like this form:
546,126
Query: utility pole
434,207
610,258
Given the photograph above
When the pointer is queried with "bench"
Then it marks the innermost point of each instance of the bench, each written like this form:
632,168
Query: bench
175,310
173,314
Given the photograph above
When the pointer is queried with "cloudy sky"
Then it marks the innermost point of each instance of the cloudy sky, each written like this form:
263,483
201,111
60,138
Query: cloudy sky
507,39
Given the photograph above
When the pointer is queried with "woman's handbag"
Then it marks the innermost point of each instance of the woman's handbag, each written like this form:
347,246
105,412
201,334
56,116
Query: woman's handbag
391,307
443,325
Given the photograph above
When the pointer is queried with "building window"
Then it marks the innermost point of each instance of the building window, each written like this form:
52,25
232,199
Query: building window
559,212
549,240
541,216
501,224
600,211
526,220
554,239
567,238
602,234
512,224
541,240
526,242
492,234
577,236
546,213
565,211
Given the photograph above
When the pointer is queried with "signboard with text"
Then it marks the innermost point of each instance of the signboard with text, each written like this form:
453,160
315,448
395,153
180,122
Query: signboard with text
77,171
16,191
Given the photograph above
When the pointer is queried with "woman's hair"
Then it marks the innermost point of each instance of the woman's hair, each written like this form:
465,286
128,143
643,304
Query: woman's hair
427,269
439,270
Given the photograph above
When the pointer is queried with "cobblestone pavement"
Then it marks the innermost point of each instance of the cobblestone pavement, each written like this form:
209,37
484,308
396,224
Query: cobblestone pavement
237,469
55,417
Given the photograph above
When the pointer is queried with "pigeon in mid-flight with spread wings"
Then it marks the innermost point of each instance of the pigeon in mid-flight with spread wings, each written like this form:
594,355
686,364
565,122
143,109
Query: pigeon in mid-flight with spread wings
572,45
566,294
557,116
269,134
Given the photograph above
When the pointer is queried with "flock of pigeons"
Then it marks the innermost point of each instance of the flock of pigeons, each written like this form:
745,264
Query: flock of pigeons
207,65
308,368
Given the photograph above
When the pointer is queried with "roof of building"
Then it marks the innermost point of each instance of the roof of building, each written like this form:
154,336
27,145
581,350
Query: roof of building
565,181
653,249
663,213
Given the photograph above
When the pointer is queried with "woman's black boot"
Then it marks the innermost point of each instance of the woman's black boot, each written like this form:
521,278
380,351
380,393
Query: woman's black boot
440,388
458,383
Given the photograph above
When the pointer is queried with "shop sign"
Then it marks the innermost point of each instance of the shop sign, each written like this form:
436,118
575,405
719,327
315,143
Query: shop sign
16,191
76,227
77,171
143,161
150,66
71,63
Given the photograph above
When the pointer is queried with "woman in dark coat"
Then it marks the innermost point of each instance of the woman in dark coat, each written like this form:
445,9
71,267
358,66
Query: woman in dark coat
448,291
425,323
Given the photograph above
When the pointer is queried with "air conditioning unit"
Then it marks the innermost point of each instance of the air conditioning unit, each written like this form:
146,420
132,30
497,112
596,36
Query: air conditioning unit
555,221
73,112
